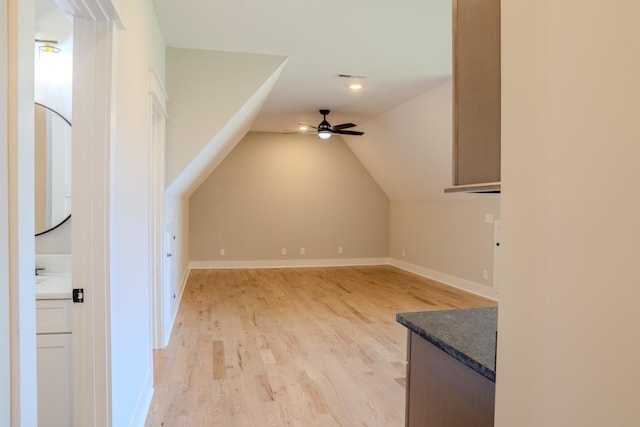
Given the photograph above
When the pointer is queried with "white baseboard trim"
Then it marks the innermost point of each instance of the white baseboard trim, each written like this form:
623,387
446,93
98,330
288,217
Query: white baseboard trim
144,402
289,263
456,282
183,285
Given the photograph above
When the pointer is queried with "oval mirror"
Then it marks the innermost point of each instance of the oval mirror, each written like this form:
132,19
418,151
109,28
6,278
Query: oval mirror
52,169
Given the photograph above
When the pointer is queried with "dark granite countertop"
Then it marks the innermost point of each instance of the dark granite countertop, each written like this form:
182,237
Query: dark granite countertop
468,335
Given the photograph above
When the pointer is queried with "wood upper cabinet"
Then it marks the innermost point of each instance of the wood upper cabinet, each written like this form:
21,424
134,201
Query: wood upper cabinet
476,95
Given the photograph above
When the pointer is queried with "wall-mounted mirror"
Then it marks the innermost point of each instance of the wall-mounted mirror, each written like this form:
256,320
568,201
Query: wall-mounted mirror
52,169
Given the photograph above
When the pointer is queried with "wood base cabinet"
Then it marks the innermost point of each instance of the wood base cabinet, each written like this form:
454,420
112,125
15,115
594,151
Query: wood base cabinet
443,392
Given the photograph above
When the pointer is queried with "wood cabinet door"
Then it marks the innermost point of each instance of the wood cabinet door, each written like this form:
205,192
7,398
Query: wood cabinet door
476,91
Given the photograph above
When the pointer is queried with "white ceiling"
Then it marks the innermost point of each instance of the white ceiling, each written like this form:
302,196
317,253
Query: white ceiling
402,47
52,24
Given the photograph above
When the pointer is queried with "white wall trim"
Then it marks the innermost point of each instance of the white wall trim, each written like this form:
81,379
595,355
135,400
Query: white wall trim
183,285
90,234
93,10
144,402
289,263
18,97
456,282
5,294
158,91
156,139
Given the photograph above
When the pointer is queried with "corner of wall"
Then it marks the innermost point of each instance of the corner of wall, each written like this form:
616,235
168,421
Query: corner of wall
447,279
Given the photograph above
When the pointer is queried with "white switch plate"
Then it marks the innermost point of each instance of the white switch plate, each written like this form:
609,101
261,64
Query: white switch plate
222,252
340,249
302,251
488,218
284,251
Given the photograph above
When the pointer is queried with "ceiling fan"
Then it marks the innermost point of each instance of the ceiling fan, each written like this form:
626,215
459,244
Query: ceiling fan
325,130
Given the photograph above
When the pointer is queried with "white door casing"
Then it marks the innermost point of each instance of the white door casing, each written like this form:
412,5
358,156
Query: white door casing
17,241
157,251
94,23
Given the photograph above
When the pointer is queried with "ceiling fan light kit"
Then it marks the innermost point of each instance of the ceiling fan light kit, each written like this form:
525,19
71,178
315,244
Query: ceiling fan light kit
324,134
325,130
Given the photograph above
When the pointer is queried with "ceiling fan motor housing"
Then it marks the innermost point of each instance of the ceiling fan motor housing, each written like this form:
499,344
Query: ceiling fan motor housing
324,124
325,129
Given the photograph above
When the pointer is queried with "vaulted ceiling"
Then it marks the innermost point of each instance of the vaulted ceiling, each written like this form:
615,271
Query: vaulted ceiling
402,48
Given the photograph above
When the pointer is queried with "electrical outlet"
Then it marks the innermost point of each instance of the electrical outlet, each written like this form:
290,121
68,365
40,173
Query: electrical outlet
222,252
302,251
284,251
403,252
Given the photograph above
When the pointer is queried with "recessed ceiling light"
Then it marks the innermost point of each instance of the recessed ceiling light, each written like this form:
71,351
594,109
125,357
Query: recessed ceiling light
355,86
352,76
302,128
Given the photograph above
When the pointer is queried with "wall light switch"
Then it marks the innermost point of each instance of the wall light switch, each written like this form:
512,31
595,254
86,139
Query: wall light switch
284,251
302,251
222,252
488,218
340,249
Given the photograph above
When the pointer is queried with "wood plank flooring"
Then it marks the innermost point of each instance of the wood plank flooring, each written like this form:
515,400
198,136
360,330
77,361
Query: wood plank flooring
292,347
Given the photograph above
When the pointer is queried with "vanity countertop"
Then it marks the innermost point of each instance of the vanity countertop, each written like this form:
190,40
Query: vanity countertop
468,335
53,286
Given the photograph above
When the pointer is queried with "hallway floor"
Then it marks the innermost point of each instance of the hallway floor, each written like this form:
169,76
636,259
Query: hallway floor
292,347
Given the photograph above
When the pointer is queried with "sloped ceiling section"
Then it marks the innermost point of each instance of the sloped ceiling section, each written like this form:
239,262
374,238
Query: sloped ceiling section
214,98
408,150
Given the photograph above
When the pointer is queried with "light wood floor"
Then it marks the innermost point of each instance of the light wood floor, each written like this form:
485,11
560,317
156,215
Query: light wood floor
292,347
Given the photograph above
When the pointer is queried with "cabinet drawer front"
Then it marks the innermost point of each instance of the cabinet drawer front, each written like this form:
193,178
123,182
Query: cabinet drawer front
53,316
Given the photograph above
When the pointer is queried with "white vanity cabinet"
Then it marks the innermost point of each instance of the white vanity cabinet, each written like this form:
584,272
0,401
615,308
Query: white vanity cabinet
53,340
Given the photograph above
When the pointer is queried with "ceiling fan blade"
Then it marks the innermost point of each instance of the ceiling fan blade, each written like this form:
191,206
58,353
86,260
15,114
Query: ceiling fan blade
343,126
348,132
307,125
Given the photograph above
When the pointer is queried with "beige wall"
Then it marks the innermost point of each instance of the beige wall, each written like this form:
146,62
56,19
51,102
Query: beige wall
447,238
568,343
293,191
408,149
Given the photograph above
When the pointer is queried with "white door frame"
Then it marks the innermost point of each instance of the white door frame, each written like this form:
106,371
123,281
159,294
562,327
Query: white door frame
94,23
5,333
157,250
17,241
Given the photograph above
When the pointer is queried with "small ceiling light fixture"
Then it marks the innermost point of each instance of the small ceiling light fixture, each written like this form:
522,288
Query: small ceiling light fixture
324,128
302,128
47,46
324,134
356,80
